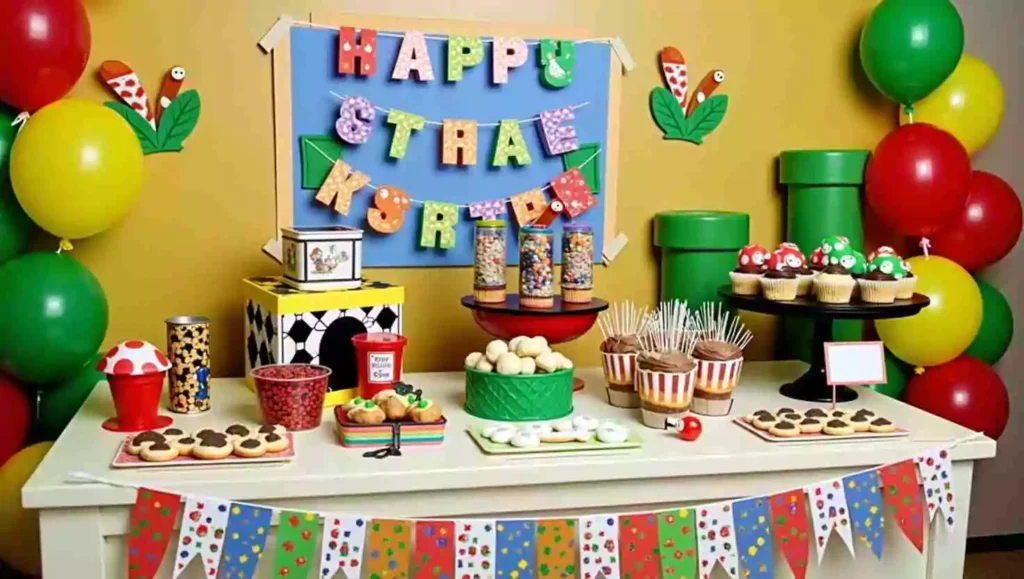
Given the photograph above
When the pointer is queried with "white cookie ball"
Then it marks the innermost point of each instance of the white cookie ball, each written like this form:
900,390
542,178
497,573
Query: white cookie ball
473,359
548,362
513,344
484,366
527,366
564,363
541,341
527,348
545,350
508,364
495,349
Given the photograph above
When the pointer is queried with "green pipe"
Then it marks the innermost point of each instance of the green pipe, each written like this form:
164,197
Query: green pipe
698,250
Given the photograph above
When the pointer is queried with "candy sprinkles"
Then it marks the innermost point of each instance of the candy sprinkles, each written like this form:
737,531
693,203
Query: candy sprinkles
536,268
489,261
577,264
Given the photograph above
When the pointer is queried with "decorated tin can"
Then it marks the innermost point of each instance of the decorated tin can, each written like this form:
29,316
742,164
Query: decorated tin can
536,267
188,380
489,261
577,264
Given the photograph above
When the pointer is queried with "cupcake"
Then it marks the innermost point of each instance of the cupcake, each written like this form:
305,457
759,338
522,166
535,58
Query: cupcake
621,326
746,278
834,285
858,266
881,283
666,372
779,285
907,283
788,256
719,359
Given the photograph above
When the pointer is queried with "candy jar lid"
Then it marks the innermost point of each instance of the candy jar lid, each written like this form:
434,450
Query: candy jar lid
133,358
577,228
490,223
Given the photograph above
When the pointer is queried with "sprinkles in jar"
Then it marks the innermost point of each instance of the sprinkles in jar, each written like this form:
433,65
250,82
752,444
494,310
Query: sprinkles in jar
489,261
536,268
577,264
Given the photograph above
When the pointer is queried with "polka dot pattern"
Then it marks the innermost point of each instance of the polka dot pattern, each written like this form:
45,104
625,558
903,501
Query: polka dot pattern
133,358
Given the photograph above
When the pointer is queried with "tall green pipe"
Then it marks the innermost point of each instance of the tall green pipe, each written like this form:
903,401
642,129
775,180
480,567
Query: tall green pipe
698,250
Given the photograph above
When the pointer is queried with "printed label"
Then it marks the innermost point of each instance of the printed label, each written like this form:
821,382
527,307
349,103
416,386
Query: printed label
382,367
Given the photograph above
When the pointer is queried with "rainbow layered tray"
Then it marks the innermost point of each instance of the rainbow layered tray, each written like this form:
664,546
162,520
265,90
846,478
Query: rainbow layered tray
377,435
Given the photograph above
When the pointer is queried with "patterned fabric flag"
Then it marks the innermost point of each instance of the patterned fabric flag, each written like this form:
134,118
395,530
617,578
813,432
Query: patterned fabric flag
248,527
296,543
866,512
901,492
753,527
152,523
937,479
677,536
556,548
599,547
829,511
638,546
341,549
434,557
474,548
487,209
387,549
716,542
517,549
202,533
789,529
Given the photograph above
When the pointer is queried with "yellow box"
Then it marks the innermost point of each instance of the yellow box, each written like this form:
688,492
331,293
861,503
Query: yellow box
286,325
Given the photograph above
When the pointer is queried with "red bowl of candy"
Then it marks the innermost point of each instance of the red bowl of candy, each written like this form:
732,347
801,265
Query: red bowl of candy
291,395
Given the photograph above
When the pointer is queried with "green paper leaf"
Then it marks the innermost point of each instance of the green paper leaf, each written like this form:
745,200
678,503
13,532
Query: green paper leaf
706,117
178,121
667,113
147,136
592,170
316,166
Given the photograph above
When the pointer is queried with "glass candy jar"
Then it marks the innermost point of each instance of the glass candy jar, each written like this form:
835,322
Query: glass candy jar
577,264
536,267
489,261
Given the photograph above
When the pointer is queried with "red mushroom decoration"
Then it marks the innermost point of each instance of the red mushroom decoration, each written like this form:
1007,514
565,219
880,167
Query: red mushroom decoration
788,255
135,371
883,250
817,258
752,256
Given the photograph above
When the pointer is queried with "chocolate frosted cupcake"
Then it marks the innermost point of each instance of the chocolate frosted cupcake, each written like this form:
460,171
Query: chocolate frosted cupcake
621,326
719,357
666,372
907,284
834,285
779,285
750,265
805,280
878,287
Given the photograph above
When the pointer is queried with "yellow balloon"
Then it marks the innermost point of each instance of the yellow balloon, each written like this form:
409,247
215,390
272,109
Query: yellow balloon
19,528
76,168
969,104
944,329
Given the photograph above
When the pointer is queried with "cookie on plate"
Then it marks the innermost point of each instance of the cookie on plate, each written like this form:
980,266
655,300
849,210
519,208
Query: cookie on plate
881,425
860,423
866,412
213,447
276,442
784,410
749,419
785,429
144,439
838,427
815,413
250,447
238,431
764,421
425,411
203,433
810,426
173,433
272,428
794,417
159,452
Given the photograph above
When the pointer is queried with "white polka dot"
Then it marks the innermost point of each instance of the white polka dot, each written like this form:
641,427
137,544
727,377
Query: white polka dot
368,48
346,47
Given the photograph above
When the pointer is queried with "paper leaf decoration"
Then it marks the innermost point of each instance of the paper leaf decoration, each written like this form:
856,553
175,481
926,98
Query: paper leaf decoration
829,512
413,57
753,537
151,527
528,206
388,212
355,120
571,189
557,62
516,549
937,479
557,136
387,548
866,510
673,71
203,524
318,153
638,546
146,134
716,540
458,142
507,53
439,220
510,144
339,186
677,537
463,52
789,529
178,121
487,209
405,123
677,119
341,549
588,153
297,534
556,548
901,492
248,529
474,548
667,115
599,547
706,118
435,550
357,57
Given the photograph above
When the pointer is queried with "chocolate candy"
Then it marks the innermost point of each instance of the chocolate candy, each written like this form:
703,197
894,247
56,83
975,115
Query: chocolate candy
218,441
250,443
783,425
160,446
858,418
272,437
187,440
148,436
809,421
291,395
237,430
173,431
267,429
881,422
836,424
816,413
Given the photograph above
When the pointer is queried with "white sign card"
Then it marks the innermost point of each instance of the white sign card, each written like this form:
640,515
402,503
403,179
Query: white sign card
854,363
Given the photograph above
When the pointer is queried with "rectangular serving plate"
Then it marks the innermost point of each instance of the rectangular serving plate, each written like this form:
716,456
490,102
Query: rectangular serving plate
124,459
820,437
377,435
488,447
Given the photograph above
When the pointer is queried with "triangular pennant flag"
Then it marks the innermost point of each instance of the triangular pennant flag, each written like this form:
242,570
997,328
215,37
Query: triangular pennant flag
753,540
638,546
571,189
677,537
152,523
789,529
937,479
599,547
296,543
866,512
341,549
487,209
248,528
516,549
528,206
387,548
203,523
556,548
474,547
901,492
829,511
716,539
587,159
435,550
319,152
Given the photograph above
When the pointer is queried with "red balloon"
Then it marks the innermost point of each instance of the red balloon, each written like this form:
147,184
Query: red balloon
916,179
964,390
988,226
14,418
44,46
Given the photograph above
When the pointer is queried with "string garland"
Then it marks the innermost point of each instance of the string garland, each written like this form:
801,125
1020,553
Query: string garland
442,38
439,123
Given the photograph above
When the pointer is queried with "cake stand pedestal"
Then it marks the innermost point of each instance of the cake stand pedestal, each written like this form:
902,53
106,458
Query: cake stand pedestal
559,324
812,387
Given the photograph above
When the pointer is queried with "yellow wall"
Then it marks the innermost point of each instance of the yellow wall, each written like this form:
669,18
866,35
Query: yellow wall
792,79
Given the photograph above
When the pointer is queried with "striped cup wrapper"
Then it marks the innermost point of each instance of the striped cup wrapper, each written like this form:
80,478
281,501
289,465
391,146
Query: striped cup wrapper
671,389
619,368
719,376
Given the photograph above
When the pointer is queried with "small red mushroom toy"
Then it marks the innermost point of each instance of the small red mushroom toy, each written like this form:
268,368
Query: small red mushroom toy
753,256
787,255
690,429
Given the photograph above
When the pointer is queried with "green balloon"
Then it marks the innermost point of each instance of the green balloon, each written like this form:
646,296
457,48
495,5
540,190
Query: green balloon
53,317
996,329
909,47
15,226
895,375
59,403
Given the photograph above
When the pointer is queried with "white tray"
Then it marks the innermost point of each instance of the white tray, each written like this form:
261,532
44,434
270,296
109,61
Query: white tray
819,438
124,459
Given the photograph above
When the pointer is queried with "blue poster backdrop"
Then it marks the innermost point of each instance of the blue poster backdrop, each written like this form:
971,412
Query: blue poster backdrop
314,57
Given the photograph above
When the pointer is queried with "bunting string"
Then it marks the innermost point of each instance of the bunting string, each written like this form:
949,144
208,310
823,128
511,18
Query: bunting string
442,38
532,119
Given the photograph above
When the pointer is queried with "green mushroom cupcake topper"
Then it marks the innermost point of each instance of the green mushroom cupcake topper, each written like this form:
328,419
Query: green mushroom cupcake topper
860,264
835,244
890,264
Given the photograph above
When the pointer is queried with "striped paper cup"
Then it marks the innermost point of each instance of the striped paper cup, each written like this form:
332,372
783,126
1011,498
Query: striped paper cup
718,376
664,394
619,371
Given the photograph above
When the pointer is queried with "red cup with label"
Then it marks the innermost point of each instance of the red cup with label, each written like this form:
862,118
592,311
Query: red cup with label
379,361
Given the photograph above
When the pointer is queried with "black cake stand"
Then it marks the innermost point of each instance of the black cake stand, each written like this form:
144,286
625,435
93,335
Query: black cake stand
811,387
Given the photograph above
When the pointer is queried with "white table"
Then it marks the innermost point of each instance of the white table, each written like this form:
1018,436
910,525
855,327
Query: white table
84,525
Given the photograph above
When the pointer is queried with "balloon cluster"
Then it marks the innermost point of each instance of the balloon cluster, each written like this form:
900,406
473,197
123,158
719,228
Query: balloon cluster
919,181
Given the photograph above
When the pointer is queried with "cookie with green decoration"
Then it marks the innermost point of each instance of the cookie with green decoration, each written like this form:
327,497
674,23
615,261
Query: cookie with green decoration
890,264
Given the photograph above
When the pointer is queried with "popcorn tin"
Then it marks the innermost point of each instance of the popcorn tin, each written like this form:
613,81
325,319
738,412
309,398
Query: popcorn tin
322,258
188,347
577,263
489,259
536,268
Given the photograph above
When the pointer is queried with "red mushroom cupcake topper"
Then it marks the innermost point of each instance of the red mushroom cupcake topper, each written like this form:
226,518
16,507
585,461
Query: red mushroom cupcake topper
817,258
788,255
133,358
752,256
883,250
